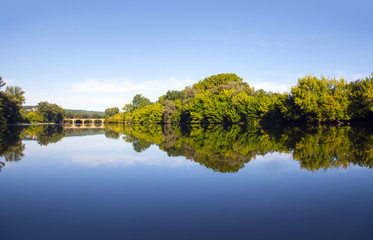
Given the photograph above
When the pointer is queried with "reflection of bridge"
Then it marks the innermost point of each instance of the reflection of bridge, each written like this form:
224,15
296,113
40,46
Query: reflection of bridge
94,121
81,126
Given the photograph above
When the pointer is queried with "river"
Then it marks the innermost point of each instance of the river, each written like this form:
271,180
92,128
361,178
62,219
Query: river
196,182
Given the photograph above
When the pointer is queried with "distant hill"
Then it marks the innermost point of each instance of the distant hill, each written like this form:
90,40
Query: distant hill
73,111
84,111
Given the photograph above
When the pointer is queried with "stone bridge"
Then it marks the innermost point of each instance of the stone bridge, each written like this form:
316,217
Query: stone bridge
73,121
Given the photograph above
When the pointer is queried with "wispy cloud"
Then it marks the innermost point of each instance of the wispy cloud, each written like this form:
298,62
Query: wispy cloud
109,86
349,76
99,94
119,160
128,86
357,76
272,86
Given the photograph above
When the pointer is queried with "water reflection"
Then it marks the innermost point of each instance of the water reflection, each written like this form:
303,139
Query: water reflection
229,148
11,147
221,148
46,134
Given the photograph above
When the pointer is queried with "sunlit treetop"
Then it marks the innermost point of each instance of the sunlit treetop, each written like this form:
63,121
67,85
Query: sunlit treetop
217,80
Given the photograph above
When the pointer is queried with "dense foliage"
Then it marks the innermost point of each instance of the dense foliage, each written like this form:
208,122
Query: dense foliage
110,112
226,98
361,97
50,113
317,100
10,104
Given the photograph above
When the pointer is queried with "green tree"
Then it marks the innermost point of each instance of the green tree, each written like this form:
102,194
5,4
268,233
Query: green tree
34,118
148,114
221,107
110,112
97,115
10,104
50,113
361,97
317,100
10,108
171,112
69,115
2,83
251,108
117,118
84,115
16,92
128,108
172,95
217,80
140,101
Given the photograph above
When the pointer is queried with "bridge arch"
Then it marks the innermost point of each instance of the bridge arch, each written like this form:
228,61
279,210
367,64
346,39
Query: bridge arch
83,120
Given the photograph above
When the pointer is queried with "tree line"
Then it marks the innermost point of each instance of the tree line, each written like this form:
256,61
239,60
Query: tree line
226,98
222,98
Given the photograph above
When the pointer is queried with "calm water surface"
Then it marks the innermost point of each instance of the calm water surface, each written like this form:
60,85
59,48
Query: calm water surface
212,182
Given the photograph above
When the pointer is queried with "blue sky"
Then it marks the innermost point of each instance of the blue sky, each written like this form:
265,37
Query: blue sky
98,54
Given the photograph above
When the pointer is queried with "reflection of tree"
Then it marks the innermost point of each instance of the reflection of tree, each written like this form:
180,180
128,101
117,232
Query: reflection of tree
113,131
11,147
217,148
140,145
143,136
45,134
228,148
362,147
15,153
109,133
50,134
220,148
213,146
325,147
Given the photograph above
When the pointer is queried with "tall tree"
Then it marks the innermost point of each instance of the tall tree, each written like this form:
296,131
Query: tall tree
128,108
318,100
216,80
110,112
10,108
2,83
140,101
10,104
361,97
51,113
17,92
